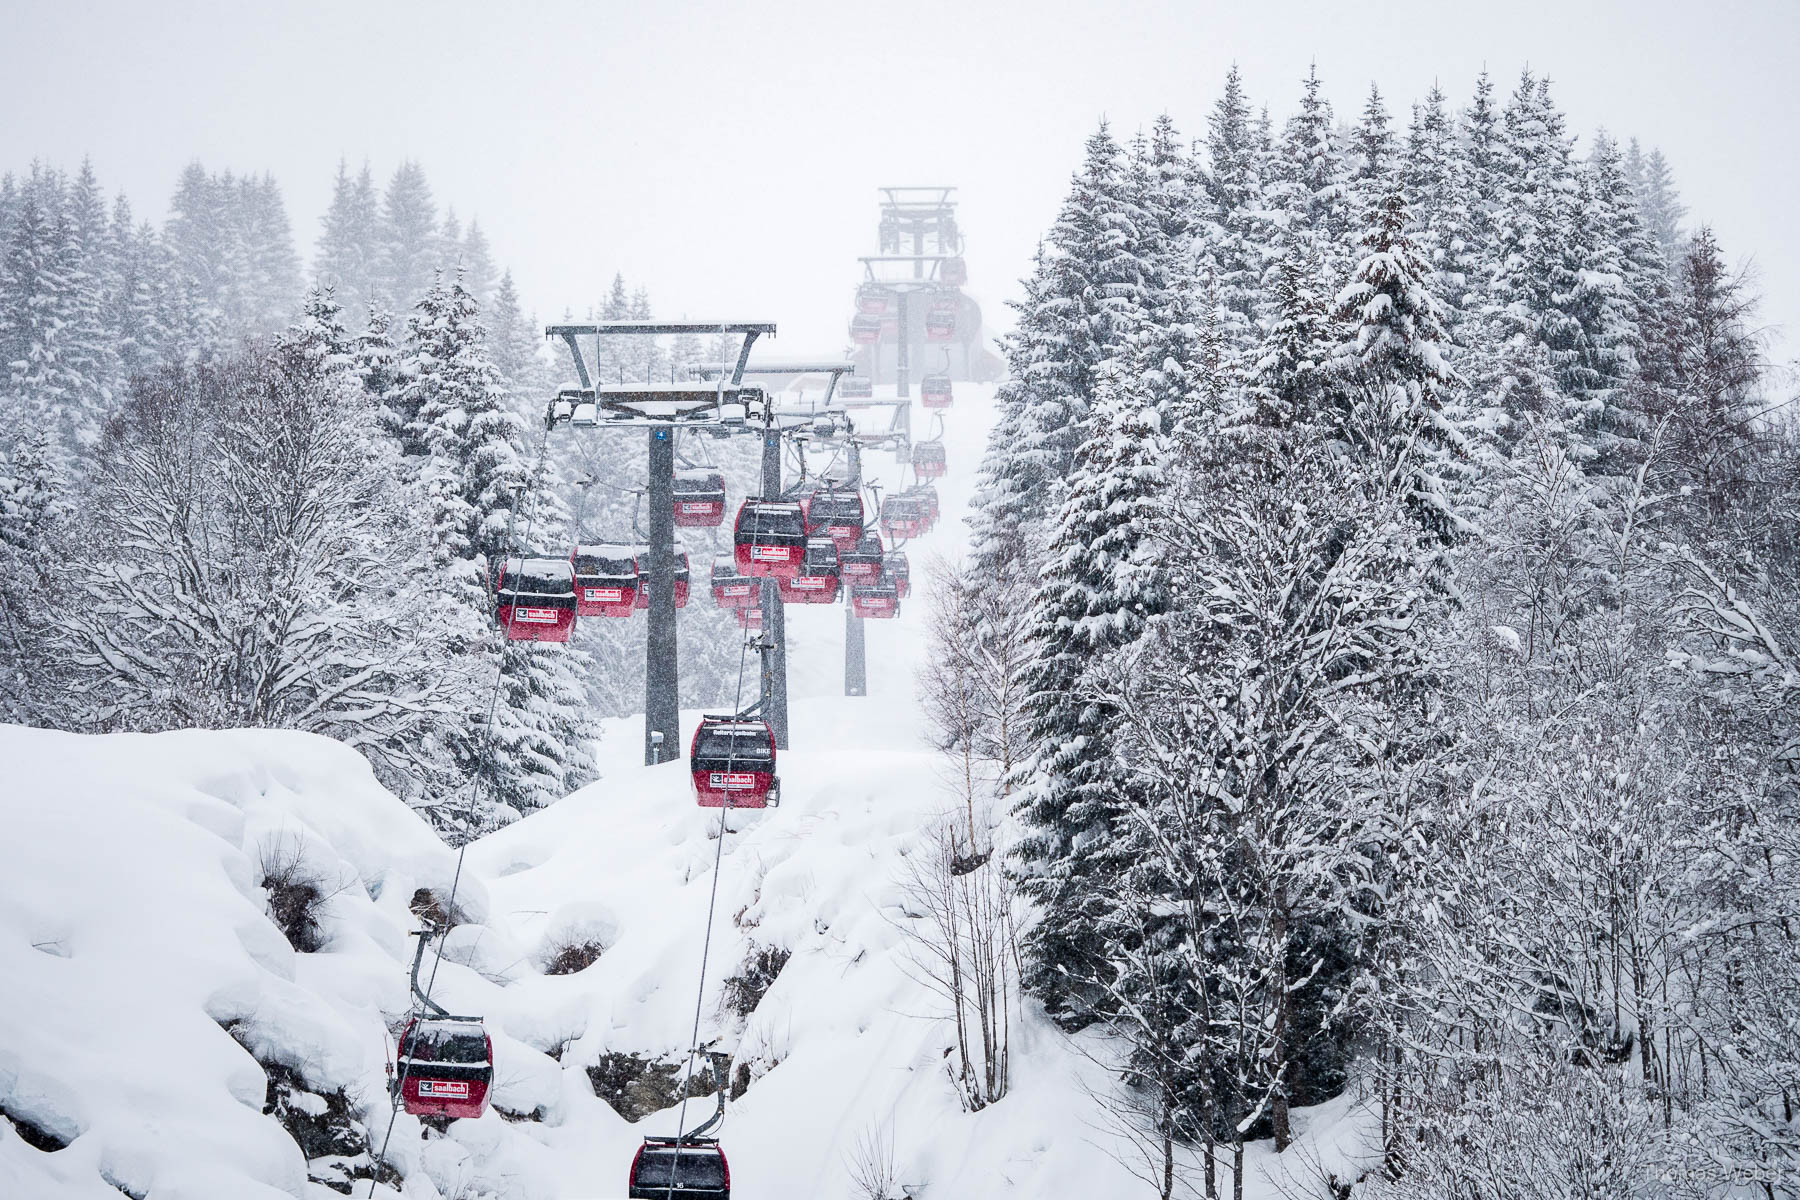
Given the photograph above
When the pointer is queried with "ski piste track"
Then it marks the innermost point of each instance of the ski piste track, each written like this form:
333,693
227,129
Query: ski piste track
133,940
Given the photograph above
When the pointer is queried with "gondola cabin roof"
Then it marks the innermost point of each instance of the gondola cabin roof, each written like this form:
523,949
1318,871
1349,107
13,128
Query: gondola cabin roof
607,558
736,728
679,1169
771,506
440,1030
537,576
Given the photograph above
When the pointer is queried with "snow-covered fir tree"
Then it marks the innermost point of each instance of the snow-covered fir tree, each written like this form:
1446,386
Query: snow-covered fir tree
409,249
1099,586
476,473
348,255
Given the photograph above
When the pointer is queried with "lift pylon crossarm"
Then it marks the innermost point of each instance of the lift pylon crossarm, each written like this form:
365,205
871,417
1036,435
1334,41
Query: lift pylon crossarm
660,404
659,327
780,370
766,369
751,330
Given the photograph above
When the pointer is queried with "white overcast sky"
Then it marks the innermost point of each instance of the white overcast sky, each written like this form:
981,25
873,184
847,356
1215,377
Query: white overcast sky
726,154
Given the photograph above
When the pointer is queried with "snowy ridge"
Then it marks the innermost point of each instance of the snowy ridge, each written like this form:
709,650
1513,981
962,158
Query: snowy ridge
132,930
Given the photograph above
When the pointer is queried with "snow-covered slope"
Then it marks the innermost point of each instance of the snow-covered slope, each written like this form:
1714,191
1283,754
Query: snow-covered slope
133,933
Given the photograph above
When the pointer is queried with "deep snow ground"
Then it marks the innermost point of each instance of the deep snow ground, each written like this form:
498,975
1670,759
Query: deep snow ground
132,929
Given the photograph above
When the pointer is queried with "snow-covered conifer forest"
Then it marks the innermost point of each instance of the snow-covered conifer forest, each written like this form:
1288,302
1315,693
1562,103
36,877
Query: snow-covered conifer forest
1403,518
1342,741
164,570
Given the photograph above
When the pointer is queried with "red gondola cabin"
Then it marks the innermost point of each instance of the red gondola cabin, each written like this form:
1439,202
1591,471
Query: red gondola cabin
902,517
940,321
733,761
679,1169
935,391
836,513
953,272
731,588
536,599
928,497
865,330
769,538
817,582
855,387
606,580
862,562
445,1067
681,579
749,619
699,498
880,601
872,299
897,571
928,460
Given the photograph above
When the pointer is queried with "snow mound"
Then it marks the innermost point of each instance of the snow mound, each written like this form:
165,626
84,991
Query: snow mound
142,977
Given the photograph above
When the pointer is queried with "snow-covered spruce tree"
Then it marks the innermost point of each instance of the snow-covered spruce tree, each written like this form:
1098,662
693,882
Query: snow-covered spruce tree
348,255
476,258
474,470
408,238
1658,200
376,361
1080,306
1170,350
1373,168
612,357
87,269
271,289
1098,588
1434,175
1290,373
134,315
1228,213
197,235
1701,388
515,343
36,312
1310,187
1394,402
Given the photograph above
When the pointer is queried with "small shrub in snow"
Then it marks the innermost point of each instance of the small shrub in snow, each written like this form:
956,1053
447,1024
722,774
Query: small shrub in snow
871,1164
571,956
296,897
746,989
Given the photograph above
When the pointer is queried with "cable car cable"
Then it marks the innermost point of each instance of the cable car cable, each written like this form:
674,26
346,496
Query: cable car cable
712,902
